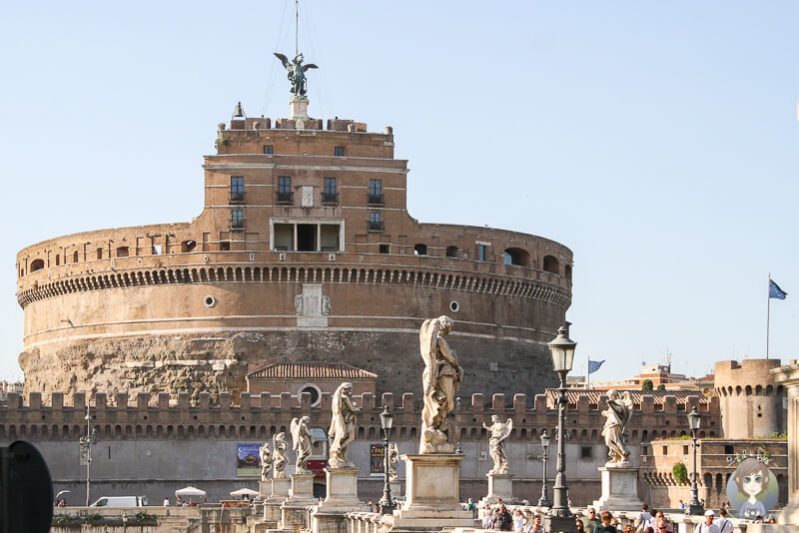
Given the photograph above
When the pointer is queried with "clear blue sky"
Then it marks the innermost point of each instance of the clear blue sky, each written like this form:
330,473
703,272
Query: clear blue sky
658,140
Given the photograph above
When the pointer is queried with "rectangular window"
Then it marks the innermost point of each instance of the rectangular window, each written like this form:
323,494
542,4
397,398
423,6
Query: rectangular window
330,191
284,192
269,149
375,191
385,248
665,450
586,452
338,151
685,450
224,246
237,218
729,449
375,221
482,252
99,253
236,189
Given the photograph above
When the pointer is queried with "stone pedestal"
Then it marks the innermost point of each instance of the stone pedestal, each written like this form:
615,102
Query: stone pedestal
432,494
396,488
298,108
294,511
619,489
499,486
342,498
278,493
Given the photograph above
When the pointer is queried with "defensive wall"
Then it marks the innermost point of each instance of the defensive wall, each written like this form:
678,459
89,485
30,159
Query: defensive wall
304,252
153,446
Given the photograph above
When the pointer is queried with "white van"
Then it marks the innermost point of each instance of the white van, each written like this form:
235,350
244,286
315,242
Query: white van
120,501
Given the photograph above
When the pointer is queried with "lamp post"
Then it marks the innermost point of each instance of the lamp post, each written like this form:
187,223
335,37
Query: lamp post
86,443
694,421
543,501
386,422
562,350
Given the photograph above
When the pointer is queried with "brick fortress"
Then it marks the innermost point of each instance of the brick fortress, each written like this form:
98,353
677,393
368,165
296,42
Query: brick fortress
305,269
304,252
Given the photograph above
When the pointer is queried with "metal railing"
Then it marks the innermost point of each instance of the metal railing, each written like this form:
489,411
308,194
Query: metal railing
285,198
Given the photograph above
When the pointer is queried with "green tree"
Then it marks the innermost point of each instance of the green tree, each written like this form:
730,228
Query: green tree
647,385
680,473
661,387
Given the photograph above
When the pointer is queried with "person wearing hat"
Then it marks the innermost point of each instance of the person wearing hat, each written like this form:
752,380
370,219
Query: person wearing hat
708,526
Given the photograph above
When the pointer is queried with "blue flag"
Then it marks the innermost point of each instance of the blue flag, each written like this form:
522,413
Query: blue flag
593,366
774,291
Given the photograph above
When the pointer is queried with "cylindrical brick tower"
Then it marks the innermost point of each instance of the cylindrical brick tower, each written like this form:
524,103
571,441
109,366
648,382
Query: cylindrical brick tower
751,403
304,252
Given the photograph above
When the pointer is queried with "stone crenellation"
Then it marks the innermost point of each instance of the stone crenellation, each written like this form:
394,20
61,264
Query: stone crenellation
156,416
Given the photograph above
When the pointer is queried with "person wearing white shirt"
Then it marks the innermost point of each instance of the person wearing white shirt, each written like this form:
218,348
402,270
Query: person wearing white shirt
708,526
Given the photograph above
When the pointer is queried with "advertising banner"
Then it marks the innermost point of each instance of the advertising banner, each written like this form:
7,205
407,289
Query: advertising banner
376,461
248,460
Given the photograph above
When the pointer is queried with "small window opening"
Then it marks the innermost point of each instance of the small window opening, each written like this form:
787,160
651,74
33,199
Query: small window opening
188,246
452,251
123,251
99,254
269,149
482,252
37,264
75,257
224,246
551,264
419,249
338,151
385,248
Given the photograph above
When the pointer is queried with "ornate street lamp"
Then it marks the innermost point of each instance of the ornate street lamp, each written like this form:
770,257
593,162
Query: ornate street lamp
543,501
695,507
86,443
562,350
386,422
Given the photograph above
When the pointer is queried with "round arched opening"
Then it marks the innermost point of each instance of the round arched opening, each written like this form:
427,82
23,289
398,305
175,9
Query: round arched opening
313,390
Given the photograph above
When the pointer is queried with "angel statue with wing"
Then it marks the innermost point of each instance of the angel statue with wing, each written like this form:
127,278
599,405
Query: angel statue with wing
295,71
441,380
617,416
301,437
266,461
496,443
279,460
342,426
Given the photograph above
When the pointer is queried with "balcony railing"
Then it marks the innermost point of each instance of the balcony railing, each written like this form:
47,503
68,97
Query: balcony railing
237,224
330,198
374,199
375,225
285,198
236,197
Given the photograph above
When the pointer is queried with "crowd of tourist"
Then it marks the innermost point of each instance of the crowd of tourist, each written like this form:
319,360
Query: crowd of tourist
500,518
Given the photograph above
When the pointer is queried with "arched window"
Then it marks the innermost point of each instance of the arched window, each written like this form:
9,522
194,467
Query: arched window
419,249
37,264
188,246
551,264
75,256
314,391
452,251
516,256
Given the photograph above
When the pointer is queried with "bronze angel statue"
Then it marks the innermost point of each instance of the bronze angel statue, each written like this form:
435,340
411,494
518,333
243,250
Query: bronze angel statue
617,416
301,437
295,71
441,380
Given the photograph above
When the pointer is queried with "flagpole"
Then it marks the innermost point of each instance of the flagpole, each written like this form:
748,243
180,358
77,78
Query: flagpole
768,312
588,374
